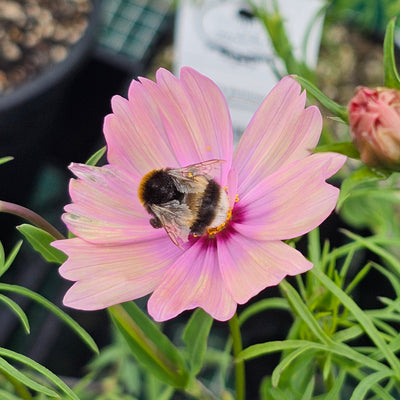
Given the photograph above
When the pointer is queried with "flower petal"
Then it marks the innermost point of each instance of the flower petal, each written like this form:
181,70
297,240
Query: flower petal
109,275
135,134
106,208
292,201
248,266
194,280
232,184
195,116
280,132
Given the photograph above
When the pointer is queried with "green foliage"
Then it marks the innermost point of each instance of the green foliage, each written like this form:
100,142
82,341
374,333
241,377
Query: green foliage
274,25
54,309
392,79
195,337
346,148
96,157
149,345
369,15
359,179
369,199
9,370
5,264
41,241
335,108
17,310
119,376
318,358
17,377
3,160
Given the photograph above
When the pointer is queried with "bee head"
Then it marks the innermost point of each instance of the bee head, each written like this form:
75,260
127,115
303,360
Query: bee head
157,187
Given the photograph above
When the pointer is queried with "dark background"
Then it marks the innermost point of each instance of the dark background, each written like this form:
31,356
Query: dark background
38,178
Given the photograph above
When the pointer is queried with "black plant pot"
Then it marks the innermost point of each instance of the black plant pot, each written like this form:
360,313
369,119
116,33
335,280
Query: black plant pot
29,114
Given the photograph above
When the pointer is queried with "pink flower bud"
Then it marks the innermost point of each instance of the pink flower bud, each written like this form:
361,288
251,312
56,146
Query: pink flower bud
374,116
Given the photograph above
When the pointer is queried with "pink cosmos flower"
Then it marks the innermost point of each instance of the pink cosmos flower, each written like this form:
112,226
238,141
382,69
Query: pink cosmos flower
275,189
374,115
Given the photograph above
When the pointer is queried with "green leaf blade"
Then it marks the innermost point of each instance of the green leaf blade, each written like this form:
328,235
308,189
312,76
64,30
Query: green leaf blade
42,371
149,345
55,310
392,79
6,395
362,319
357,178
258,350
339,349
3,160
335,108
303,312
6,263
195,337
8,369
17,310
368,382
40,240
2,258
263,305
96,157
346,148
286,361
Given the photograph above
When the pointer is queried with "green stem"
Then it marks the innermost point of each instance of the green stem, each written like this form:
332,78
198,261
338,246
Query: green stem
30,216
239,366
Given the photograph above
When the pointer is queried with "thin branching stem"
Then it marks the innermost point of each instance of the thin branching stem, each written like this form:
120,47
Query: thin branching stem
31,217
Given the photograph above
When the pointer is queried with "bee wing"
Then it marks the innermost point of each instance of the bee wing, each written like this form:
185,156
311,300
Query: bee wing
186,178
203,168
175,218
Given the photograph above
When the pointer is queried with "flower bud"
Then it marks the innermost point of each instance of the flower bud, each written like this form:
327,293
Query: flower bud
374,117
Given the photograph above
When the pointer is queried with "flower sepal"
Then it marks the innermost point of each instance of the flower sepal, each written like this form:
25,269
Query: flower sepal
149,345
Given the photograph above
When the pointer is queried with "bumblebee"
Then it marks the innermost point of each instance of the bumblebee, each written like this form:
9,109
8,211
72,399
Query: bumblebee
185,201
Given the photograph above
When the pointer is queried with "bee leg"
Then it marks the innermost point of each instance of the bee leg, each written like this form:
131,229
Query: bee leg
155,223
198,231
